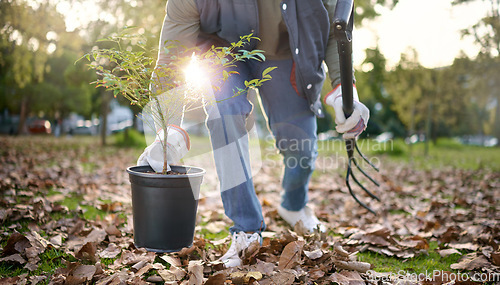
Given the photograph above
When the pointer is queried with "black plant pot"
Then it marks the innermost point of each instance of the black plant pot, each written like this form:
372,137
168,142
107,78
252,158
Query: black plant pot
164,207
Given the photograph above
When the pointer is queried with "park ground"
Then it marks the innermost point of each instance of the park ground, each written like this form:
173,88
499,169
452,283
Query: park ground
66,218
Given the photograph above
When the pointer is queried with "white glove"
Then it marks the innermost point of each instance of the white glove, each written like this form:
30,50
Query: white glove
357,122
178,145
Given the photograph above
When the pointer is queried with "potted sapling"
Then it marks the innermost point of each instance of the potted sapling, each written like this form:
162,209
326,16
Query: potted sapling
165,195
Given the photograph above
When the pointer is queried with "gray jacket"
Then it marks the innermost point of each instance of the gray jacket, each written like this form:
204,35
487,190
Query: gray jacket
308,23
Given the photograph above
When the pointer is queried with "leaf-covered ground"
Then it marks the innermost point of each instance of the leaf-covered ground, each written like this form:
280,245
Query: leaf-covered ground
65,211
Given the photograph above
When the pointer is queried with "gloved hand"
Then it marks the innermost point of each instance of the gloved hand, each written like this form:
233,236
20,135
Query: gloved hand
357,122
178,145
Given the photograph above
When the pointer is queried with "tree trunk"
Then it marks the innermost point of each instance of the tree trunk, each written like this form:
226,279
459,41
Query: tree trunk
21,128
428,122
412,130
125,135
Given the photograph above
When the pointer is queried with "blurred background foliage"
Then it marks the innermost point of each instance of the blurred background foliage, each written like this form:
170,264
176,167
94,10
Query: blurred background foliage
40,76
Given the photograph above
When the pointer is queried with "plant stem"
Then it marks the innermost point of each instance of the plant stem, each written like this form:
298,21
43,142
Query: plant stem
165,134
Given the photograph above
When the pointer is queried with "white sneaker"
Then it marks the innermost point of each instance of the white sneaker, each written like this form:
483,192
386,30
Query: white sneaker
240,242
306,215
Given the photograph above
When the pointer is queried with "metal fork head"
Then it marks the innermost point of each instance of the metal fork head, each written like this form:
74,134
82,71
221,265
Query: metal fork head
351,146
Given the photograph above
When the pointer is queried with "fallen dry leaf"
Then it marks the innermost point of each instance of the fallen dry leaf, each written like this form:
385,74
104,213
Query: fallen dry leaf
145,269
471,261
337,247
357,266
111,251
87,252
113,230
316,273
36,279
291,255
448,252
315,254
467,246
216,279
339,279
85,272
56,240
13,258
177,272
10,280
96,236
495,258
353,277
130,258
284,277
17,243
175,261
195,272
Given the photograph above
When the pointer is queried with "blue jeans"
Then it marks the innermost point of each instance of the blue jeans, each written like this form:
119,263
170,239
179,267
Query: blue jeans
291,122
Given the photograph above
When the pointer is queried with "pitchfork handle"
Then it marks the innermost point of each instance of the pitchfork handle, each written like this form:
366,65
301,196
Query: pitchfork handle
343,26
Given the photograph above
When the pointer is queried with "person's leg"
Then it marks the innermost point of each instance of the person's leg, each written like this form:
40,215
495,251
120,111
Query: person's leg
226,123
293,125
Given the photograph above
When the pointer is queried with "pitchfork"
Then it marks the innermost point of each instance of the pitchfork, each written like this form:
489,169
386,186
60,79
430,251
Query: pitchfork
343,26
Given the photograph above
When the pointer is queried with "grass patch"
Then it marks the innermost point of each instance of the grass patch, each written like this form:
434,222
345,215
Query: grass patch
129,138
419,264
108,261
214,236
394,148
208,235
445,153
8,269
88,212
199,145
399,212
88,167
73,202
20,226
50,260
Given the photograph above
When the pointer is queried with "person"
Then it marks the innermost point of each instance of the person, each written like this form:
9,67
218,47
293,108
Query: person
296,38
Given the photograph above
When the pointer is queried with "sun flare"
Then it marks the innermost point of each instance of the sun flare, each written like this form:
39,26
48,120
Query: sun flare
194,73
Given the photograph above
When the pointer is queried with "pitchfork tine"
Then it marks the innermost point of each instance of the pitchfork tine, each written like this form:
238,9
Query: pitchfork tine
367,161
367,176
349,173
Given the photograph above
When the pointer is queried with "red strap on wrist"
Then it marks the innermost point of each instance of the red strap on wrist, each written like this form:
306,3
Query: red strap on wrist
330,93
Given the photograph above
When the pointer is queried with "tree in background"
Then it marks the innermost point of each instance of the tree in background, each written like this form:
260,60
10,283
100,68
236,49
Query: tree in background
408,84
372,84
486,32
25,50
367,9
38,76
